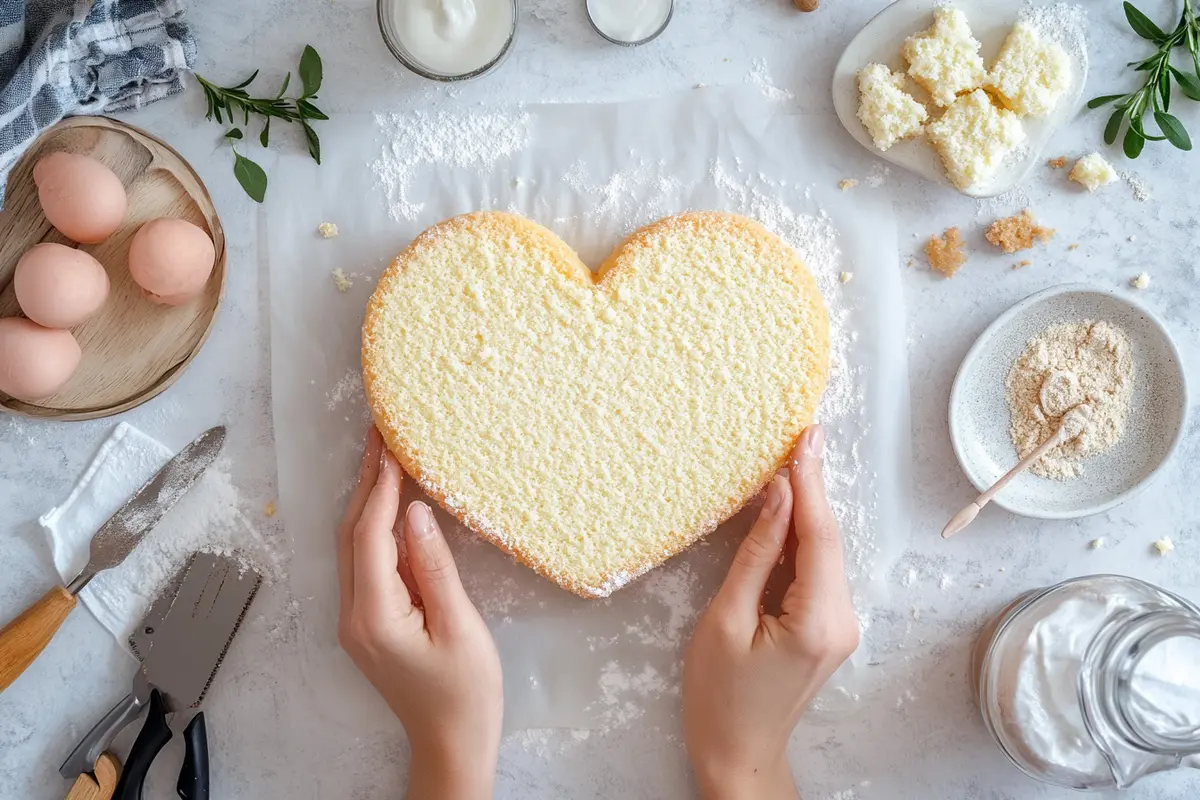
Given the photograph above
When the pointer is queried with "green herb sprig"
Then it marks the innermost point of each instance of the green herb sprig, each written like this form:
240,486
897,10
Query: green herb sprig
227,103
1155,95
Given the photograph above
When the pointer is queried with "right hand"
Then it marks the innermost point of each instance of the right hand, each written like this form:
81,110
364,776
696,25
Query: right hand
409,626
748,676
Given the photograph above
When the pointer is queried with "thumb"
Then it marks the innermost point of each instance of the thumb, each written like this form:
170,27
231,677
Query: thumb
433,569
741,593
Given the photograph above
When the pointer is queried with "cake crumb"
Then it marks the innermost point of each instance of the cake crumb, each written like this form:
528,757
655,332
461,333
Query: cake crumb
1024,262
1132,238
1092,171
1073,246
1018,232
911,263
269,509
1096,544
1164,545
341,280
327,230
1057,163
846,184
1140,281
846,277
945,253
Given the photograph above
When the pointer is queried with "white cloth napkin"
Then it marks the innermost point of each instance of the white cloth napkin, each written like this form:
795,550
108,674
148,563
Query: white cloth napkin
118,597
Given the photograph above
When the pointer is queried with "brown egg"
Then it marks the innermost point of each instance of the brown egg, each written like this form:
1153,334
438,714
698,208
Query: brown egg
35,362
59,286
80,196
171,260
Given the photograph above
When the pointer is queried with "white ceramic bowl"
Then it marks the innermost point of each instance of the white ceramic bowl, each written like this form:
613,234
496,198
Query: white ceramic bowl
979,415
880,41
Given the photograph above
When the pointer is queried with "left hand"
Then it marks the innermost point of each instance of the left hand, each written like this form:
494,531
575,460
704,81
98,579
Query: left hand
411,629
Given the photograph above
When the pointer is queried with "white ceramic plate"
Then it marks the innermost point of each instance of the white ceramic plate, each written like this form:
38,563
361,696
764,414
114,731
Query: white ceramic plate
979,416
880,42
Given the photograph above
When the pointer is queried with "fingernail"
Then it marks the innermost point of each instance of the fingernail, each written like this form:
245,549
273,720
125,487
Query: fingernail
774,495
420,520
813,440
383,461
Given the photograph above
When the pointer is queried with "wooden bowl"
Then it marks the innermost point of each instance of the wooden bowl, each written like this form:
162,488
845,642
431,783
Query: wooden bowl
133,349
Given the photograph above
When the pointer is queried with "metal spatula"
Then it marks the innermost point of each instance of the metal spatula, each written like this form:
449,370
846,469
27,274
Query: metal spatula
181,643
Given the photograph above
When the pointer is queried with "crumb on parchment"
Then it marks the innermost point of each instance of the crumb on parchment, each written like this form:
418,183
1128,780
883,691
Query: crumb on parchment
341,280
1057,163
328,230
1024,262
1096,544
1140,281
269,509
1073,246
1164,545
846,184
1018,232
946,253
846,277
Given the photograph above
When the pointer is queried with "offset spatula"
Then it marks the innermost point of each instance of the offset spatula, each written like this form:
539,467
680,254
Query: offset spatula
181,643
25,637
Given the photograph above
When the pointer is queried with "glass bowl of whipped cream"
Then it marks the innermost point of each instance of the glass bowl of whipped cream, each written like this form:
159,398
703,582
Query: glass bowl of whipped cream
448,40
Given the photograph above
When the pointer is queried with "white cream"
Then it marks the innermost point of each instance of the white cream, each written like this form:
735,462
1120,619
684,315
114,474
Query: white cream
1040,697
629,20
452,37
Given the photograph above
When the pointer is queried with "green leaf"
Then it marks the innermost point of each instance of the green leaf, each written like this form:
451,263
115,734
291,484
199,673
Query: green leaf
234,133
1134,142
286,80
262,137
1103,100
246,82
309,111
1164,90
314,144
1173,129
1187,84
310,71
250,176
1113,126
1143,26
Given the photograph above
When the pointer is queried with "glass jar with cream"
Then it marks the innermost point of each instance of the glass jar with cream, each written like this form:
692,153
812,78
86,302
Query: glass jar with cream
448,40
1093,683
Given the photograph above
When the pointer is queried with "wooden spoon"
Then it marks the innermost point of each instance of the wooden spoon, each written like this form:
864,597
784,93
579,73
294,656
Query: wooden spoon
1073,423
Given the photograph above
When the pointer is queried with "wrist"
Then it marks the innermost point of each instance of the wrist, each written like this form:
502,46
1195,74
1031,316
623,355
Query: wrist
449,773
768,781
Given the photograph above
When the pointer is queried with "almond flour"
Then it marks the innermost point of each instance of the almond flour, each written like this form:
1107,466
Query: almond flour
1065,366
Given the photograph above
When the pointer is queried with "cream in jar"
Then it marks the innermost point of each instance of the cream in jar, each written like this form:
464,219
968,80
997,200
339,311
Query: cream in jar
629,21
451,37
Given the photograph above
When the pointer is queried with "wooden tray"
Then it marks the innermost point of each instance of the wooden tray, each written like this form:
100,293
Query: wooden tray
132,349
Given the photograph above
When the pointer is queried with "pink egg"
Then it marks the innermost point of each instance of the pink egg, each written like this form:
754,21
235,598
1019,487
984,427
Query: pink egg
171,260
59,286
35,362
80,196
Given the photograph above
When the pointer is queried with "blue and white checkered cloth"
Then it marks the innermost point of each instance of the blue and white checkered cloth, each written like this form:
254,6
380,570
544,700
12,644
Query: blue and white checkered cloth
60,58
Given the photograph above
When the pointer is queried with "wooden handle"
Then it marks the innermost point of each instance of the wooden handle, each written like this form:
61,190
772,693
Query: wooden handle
101,784
26,636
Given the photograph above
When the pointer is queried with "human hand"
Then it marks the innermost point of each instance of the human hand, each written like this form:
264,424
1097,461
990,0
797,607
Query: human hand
409,626
748,676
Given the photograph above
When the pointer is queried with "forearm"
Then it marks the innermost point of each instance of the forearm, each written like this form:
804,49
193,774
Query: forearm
771,782
434,776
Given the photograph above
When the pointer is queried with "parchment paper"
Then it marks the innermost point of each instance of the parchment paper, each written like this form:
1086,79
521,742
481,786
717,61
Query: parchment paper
570,662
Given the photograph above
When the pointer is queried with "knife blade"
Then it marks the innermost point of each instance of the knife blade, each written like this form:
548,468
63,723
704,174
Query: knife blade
125,529
23,639
181,655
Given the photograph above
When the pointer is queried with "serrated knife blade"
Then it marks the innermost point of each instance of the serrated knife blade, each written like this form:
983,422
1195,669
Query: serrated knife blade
125,529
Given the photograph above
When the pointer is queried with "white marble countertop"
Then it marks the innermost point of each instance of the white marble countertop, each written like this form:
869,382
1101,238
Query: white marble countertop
916,733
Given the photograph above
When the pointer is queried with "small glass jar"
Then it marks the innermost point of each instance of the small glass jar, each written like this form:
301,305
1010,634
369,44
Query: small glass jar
1093,683
389,28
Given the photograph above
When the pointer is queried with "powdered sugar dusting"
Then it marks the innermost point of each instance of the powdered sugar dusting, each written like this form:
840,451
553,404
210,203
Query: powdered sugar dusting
760,78
420,139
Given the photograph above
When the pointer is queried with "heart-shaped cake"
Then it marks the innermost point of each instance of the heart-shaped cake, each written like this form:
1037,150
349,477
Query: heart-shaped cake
593,426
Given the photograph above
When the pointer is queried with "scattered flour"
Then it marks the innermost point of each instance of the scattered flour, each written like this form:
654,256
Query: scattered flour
760,78
417,141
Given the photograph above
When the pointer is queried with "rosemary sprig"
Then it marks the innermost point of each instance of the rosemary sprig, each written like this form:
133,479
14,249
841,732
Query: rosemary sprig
227,103
1154,97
